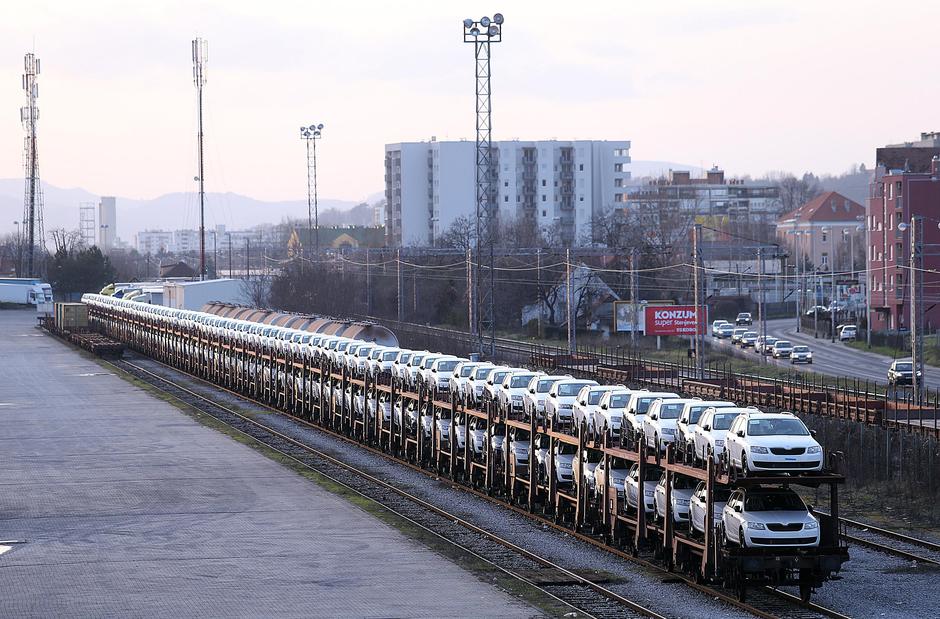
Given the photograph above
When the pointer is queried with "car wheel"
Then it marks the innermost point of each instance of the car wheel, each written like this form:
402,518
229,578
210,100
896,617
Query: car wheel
744,471
742,541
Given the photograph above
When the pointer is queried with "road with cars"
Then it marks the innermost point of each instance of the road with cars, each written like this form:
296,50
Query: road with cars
832,358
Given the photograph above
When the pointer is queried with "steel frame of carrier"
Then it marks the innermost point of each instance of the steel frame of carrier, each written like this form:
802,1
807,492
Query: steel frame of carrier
307,386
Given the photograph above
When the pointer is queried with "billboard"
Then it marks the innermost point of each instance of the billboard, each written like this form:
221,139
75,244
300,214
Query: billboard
625,313
674,320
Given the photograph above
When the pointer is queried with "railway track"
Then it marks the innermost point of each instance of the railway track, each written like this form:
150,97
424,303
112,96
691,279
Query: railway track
570,589
892,542
567,587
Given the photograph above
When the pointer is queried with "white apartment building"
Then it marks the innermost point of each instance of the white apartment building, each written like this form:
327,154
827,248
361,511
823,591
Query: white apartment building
563,184
182,241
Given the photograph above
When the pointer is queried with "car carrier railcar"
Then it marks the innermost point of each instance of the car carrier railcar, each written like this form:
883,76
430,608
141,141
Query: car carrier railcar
419,425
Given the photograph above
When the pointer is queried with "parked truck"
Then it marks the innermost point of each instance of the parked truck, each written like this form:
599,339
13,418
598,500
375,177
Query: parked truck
25,291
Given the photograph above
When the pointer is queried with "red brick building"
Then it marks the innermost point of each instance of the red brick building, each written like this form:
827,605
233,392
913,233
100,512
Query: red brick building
906,184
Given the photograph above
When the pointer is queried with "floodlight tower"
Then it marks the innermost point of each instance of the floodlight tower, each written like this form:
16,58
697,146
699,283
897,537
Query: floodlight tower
200,58
310,135
32,208
482,33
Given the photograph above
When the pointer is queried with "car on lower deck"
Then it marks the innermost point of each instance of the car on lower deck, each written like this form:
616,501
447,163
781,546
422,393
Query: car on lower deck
768,517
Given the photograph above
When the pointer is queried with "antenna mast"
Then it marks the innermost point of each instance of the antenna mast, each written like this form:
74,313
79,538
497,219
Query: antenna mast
200,58
29,116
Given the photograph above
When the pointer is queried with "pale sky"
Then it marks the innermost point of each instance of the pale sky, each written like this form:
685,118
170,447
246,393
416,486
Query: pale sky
749,85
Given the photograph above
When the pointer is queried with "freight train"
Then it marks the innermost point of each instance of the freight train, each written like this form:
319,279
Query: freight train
706,487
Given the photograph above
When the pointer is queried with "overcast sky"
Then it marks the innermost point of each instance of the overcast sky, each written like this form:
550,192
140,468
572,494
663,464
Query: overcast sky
751,85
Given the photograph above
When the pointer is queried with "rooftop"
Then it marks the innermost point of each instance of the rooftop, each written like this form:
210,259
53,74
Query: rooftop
830,206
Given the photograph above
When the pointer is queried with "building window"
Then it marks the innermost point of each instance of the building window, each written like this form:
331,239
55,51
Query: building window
825,259
618,167
505,183
543,197
580,167
580,198
824,238
618,197
618,182
543,182
505,198
544,213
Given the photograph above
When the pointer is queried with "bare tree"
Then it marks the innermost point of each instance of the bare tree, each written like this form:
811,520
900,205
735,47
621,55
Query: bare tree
795,192
257,289
461,234
65,240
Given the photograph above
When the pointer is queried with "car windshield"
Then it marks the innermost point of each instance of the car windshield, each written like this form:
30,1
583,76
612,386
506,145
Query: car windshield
773,501
695,413
517,382
680,482
722,421
544,386
443,413
782,344
570,389
481,373
619,401
801,349
389,356
499,376
405,358
771,340
620,463
594,456
653,473
643,405
416,360
750,334
364,352
342,346
448,366
466,371
904,367
567,449
671,411
594,397
776,427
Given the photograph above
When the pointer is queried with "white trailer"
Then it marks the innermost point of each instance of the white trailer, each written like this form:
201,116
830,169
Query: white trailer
193,295
25,291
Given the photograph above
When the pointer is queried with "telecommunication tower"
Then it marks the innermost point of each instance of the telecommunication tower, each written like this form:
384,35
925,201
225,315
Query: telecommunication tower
482,33
32,208
200,58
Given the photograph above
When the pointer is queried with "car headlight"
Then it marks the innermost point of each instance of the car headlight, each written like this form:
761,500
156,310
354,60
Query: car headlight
648,493
759,526
719,442
812,524
669,432
814,449
757,449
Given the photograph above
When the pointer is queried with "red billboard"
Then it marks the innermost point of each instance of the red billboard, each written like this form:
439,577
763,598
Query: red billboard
674,320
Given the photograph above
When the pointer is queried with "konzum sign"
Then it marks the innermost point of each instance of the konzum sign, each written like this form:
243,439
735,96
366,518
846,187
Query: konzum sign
674,320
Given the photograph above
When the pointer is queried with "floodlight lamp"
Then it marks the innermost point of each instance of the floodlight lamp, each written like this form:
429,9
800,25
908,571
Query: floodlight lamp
313,127
474,31
485,22
320,126
498,19
493,31
467,23
903,226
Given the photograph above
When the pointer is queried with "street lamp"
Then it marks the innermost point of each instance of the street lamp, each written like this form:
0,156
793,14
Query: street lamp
310,135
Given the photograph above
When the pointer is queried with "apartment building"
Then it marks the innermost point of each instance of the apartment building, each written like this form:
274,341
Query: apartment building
554,184
183,241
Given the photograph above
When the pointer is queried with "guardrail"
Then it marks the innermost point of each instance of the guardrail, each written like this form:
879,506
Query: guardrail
845,398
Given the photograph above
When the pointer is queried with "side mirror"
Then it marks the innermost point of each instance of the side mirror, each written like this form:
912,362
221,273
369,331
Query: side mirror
741,433
654,417
706,428
812,433
551,395
604,406
737,508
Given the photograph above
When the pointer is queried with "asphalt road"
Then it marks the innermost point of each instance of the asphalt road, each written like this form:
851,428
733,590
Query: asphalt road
834,359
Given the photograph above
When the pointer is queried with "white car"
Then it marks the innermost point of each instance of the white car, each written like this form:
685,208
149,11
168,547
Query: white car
772,443
712,431
385,361
477,435
659,425
848,333
782,349
616,479
652,474
494,382
437,377
758,516
423,371
559,405
801,354
473,388
698,506
681,494
400,363
519,451
688,421
610,411
640,402
443,426
511,394
533,402
585,465
716,327
460,377
565,454
587,403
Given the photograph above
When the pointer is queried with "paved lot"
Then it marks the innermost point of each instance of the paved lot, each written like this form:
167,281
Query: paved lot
129,508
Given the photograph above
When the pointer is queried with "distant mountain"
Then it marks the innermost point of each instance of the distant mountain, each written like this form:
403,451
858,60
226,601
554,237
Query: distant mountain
172,211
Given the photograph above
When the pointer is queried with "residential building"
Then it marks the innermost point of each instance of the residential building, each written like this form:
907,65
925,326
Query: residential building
155,241
553,184
183,241
824,233
905,186
738,270
711,196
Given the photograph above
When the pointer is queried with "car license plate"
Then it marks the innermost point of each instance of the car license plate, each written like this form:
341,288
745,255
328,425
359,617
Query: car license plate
791,459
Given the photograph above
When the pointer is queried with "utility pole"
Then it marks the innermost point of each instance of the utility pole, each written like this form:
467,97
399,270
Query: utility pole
762,306
917,303
538,289
832,296
368,283
200,58
569,301
401,301
698,300
471,299
634,294
247,258
229,255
